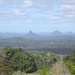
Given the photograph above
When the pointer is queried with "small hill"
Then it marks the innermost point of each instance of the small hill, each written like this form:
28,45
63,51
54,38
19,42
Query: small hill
56,33
31,35
70,33
9,35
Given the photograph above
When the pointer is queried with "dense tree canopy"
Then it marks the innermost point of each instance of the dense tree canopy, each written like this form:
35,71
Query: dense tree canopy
4,69
70,62
44,60
19,60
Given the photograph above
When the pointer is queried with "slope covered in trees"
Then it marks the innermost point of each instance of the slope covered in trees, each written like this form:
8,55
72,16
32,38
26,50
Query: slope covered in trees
70,62
19,60
16,59
44,60
4,69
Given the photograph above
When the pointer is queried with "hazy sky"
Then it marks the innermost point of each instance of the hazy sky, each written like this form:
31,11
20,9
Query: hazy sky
37,15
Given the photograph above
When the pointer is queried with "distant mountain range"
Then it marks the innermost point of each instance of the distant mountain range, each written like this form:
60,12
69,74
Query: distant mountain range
56,41
54,33
31,35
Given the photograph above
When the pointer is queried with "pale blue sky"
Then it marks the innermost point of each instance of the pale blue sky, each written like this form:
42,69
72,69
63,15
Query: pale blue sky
37,15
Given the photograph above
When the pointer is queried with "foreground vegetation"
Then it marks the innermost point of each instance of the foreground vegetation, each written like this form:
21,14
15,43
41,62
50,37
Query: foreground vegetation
4,69
16,60
70,62
59,68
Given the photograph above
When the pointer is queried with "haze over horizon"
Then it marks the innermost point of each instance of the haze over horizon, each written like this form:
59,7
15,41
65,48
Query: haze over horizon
37,15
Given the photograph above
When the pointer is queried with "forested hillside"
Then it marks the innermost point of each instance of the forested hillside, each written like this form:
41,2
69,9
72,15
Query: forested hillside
4,69
15,59
70,62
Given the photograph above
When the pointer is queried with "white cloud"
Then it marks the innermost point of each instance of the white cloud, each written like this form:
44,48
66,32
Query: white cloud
11,13
30,21
69,1
27,4
17,12
70,16
67,7
56,19
49,19
44,8
3,12
1,1
44,4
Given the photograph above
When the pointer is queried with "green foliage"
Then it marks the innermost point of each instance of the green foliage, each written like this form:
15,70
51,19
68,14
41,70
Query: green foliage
44,60
2,57
71,66
19,60
5,69
7,50
70,62
44,71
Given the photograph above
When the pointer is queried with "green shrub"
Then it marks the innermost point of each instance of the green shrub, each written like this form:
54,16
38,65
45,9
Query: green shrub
19,60
44,71
71,66
5,69
70,62
44,60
